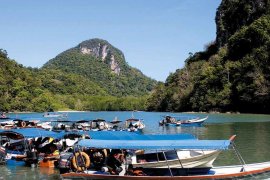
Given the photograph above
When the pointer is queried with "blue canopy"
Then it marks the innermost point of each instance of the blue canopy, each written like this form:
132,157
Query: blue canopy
28,133
125,135
156,144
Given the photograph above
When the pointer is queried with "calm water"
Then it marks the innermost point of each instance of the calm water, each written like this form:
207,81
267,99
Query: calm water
253,135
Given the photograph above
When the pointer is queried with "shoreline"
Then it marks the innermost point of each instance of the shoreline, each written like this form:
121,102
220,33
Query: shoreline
187,112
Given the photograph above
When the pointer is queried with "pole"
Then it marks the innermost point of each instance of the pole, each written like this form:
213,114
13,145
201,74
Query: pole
168,164
179,159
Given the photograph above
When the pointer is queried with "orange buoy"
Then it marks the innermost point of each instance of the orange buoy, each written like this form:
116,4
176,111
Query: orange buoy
81,161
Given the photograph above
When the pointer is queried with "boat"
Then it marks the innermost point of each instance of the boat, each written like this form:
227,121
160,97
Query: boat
147,159
189,158
18,123
24,123
133,124
162,145
83,125
60,125
45,125
115,122
180,121
100,125
126,171
8,124
3,116
19,145
54,115
221,172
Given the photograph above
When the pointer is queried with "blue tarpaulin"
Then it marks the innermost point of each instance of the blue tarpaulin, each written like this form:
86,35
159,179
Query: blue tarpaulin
29,133
125,135
156,144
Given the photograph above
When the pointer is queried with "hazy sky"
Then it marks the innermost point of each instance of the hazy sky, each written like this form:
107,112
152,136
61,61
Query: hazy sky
155,35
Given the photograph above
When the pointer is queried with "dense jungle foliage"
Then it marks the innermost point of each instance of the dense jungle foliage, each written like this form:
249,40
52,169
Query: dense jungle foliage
232,74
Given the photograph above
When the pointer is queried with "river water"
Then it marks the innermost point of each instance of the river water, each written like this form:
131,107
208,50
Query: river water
252,141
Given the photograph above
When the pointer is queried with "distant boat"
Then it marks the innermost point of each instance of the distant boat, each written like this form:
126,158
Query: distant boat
175,121
100,124
83,125
53,115
115,121
3,116
133,124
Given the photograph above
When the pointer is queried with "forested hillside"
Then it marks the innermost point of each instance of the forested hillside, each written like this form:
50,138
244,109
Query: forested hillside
233,73
98,61
76,82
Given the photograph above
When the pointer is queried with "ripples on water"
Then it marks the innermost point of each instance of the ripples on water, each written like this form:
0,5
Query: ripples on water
252,141
28,173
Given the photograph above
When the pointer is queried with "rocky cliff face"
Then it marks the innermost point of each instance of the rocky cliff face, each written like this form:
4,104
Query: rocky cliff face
234,14
101,50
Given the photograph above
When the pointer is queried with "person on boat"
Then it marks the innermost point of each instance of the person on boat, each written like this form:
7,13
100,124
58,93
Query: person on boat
114,161
45,141
173,120
43,145
130,125
3,115
101,125
134,171
168,119
54,152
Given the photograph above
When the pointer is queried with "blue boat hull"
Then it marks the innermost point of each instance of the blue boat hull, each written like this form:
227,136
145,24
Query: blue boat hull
185,124
14,162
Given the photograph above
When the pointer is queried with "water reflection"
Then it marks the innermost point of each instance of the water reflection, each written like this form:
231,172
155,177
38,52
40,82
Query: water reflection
252,141
197,131
21,172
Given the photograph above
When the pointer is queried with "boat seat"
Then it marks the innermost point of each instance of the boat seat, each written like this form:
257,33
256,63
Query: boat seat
194,153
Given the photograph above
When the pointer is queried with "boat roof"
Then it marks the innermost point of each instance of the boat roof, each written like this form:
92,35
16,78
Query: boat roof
133,119
82,121
28,133
115,121
126,135
61,121
98,120
156,144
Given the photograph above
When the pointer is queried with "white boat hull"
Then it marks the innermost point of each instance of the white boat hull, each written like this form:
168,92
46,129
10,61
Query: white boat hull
205,159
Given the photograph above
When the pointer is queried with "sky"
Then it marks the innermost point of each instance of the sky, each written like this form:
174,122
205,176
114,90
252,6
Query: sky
155,36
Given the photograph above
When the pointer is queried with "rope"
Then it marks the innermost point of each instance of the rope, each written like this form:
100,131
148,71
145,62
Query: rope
240,158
